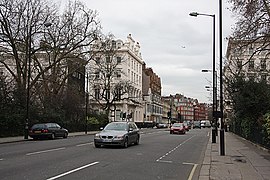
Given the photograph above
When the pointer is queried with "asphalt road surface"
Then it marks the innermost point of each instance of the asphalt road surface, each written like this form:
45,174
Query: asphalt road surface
160,155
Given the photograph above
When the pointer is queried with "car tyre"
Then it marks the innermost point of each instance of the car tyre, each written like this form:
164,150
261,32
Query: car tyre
97,145
65,135
137,140
52,136
125,145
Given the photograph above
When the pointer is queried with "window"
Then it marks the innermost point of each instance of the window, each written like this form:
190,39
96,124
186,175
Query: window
251,64
97,75
118,74
118,93
250,50
118,59
263,77
108,94
98,60
97,93
108,59
239,64
263,64
114,44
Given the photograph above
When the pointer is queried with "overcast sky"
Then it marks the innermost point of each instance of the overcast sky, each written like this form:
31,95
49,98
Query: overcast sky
176,45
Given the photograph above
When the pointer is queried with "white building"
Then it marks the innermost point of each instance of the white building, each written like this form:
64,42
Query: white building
125,66
248,59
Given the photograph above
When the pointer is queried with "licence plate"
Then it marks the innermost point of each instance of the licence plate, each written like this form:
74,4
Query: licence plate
107,140
37,132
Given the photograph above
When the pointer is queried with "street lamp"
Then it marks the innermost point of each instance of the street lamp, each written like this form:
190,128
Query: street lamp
215,103
86,103
222,141
195,14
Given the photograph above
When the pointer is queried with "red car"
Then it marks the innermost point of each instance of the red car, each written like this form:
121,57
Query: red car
177,128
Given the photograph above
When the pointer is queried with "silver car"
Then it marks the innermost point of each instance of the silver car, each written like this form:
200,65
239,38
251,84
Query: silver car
118,134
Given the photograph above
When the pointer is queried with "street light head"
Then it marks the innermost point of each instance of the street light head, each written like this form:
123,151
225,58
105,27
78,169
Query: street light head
195,14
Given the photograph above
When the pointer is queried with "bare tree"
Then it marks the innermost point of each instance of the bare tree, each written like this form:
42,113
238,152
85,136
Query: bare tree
33,31
251,38
253,25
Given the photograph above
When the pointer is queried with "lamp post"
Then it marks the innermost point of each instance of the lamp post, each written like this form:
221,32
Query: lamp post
86,103
222,141
194,112
195,14
215,103
26,127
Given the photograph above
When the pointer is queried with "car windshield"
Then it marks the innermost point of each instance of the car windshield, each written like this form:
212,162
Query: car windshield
116,127
177,125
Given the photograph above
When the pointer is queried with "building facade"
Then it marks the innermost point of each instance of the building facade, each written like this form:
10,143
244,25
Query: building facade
122,68
248,59
152,96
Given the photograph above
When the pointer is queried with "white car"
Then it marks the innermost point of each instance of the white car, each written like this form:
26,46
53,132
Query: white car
205,123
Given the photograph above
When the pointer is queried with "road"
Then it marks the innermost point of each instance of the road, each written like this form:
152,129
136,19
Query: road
159,155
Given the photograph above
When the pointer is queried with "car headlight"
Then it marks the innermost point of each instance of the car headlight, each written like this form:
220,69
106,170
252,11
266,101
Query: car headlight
118,137
97,136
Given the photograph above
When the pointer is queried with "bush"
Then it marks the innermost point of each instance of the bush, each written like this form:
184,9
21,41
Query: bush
266,129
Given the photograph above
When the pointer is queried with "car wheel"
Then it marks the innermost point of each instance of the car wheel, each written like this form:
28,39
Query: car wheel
125,145
97,145
52,136
65,135
137,140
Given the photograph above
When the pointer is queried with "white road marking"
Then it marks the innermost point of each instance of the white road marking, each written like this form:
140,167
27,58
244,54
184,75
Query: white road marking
72,171
164,161
49,150
1,159
84,144
166,154
192,171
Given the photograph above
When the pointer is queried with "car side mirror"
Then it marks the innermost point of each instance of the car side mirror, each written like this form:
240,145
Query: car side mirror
101,128
130,129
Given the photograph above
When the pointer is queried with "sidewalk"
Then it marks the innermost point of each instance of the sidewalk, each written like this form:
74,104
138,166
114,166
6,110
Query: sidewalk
21,138
242,160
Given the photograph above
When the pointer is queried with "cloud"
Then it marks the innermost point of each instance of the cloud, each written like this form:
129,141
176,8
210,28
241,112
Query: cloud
163,27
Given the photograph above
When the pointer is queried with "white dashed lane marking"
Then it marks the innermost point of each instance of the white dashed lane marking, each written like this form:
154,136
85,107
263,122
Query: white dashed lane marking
45,151
72,171
168,153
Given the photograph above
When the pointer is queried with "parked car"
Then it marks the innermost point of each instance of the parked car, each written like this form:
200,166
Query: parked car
205,123
118,134
177,128
161,125
47,130
197,124
186,126
189,124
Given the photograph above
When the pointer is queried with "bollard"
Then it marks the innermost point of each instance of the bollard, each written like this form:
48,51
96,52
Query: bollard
213,135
